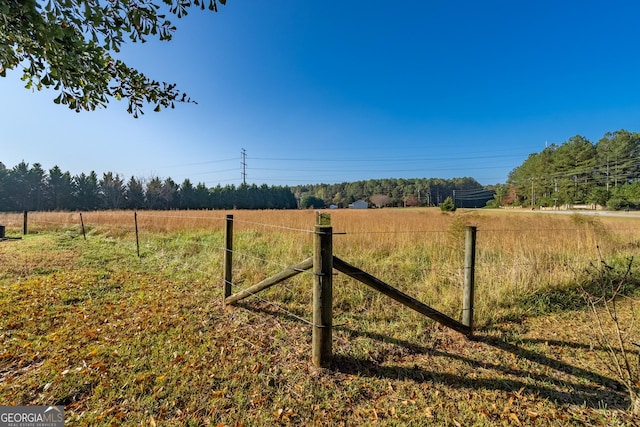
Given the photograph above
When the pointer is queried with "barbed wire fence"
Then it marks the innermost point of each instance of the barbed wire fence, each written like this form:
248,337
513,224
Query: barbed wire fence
492,259
153,221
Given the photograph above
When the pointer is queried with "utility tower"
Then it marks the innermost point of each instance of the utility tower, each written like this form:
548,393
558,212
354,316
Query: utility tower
243,163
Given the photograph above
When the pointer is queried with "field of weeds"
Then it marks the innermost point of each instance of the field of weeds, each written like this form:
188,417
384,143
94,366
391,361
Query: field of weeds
122,339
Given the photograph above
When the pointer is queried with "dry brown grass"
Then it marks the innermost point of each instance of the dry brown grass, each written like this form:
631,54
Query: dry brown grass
523,258
123,341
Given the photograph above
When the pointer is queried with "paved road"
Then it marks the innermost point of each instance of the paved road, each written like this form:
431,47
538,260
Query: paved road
630,214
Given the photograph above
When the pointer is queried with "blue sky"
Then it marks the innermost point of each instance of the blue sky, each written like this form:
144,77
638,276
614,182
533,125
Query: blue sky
321,92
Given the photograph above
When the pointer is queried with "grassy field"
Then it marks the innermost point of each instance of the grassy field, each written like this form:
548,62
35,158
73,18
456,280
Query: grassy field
126,340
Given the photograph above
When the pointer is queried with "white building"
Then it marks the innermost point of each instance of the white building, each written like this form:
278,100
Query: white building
359,204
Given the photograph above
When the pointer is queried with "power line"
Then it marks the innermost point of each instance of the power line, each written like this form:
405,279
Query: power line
387,159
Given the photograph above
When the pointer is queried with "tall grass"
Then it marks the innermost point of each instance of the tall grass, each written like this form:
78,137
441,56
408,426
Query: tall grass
525,261
122,340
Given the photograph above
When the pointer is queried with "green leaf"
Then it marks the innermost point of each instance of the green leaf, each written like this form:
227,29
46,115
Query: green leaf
71,45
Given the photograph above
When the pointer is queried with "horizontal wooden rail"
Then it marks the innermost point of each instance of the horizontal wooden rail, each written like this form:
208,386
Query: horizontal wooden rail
402,298
273,280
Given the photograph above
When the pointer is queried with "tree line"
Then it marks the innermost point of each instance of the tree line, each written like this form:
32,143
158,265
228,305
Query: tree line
579,171
31,188
398,192
575,172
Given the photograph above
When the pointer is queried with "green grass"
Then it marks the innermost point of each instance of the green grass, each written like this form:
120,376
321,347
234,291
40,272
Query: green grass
122,340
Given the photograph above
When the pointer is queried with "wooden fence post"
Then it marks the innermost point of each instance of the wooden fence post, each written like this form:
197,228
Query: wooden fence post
2,231
24,224
322,291
135,220
84,234
228,256
469,278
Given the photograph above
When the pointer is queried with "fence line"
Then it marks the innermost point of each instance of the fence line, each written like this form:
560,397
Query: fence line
322,276
282,227
149,214
279,307
251,291
533,258
323,262
549,264
144,214
152,215
353,233
274,263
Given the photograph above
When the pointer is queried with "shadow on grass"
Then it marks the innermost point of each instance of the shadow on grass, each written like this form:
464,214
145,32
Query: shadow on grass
571,385
586,388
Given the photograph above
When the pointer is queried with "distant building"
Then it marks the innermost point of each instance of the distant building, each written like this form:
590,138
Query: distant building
359,204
